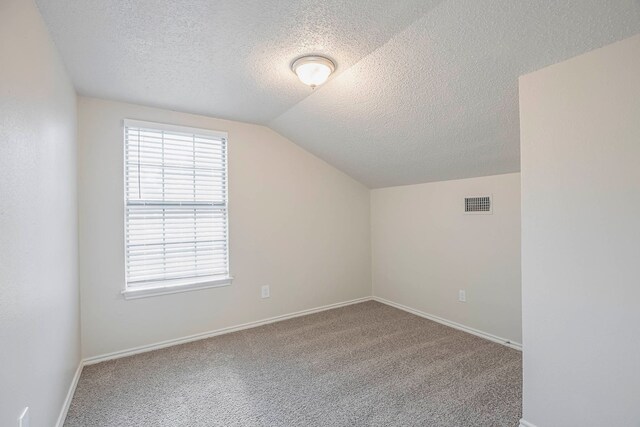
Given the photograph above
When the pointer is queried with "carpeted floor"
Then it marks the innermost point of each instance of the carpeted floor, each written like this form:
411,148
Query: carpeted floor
362,365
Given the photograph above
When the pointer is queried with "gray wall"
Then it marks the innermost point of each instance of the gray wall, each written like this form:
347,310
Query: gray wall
295,223
580,124
39,308
425,249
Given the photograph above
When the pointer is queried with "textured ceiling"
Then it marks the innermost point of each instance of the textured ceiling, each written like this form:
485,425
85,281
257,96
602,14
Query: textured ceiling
440,100
424,91
229,59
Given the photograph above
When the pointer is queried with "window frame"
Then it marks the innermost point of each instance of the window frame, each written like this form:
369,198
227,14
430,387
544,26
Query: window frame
170,286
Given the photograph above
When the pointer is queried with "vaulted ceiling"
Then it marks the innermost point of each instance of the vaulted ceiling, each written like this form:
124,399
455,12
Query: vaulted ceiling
425,90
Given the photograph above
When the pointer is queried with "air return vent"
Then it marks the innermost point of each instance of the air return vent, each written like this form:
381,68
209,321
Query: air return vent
478,205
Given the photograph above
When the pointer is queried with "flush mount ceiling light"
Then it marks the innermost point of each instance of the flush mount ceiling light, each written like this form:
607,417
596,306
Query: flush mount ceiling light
313,70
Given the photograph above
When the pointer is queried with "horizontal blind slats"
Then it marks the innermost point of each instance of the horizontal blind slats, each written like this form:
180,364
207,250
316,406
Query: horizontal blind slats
176,205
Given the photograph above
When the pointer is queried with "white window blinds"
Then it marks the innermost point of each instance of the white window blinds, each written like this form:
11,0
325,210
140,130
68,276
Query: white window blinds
175,204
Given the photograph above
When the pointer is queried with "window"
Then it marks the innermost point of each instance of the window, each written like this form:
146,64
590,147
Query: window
175,208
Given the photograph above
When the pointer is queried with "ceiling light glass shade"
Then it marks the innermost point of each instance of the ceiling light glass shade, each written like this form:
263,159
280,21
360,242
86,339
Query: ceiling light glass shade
313,70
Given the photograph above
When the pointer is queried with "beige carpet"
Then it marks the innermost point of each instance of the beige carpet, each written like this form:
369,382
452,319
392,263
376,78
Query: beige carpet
363,365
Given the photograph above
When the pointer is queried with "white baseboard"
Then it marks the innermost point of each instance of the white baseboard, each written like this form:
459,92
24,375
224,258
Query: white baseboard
525,423
476,332
204,335
69,397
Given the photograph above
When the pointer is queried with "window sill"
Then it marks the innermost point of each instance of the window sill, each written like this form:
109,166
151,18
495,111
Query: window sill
175,287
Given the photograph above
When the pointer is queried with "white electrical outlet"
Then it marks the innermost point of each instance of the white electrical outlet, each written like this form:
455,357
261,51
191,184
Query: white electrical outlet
266,293
23,419
462,296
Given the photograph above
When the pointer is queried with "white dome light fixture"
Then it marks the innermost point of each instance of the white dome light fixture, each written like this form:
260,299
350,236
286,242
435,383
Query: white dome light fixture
313,70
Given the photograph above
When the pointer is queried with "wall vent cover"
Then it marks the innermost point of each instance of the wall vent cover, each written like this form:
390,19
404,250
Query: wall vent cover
478,205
